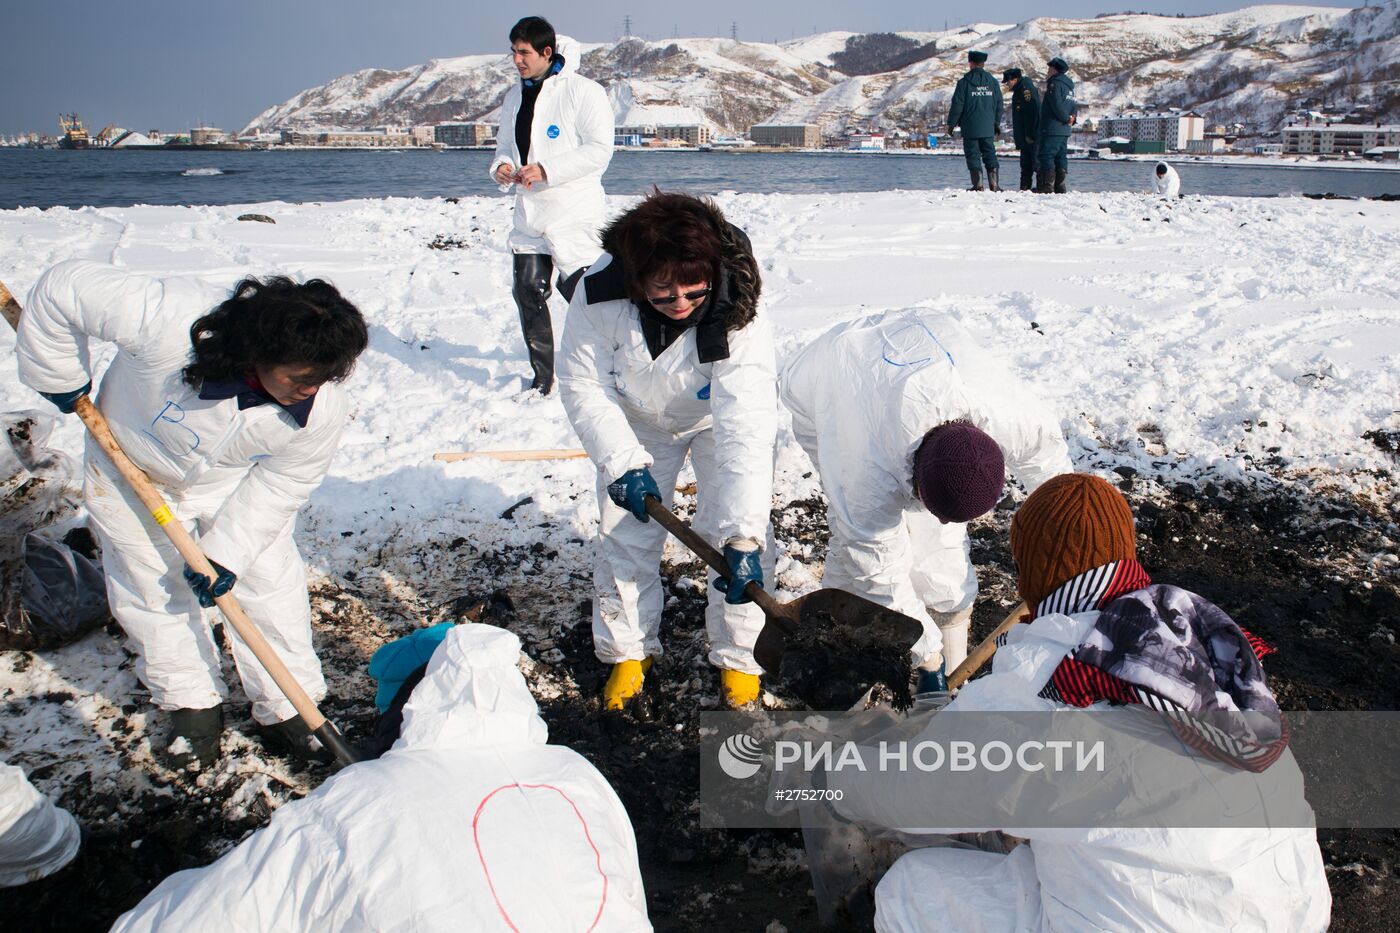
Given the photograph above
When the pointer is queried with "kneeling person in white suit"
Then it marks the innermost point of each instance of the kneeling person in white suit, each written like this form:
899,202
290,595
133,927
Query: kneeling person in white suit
910,425
470,822
665,353
235,415
1104,636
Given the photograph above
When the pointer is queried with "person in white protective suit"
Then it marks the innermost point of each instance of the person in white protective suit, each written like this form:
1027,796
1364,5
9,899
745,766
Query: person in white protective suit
665,353
1166,183
470,822
910,425
235,415
1101,631
36,837
554,143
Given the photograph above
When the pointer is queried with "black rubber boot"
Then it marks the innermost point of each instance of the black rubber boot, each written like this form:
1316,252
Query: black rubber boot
195,735
976,179
1027,180
992,183
532,272
1060,186
1042,183
292,737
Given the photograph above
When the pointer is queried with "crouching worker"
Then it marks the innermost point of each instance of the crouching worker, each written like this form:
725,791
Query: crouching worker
1103,634
665,354
229,404
471,822
36,837
910,426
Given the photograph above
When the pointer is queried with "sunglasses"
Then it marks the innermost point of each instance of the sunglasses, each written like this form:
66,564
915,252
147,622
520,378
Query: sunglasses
694,296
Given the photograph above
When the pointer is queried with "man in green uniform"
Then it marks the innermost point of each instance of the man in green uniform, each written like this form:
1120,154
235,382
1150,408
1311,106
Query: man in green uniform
1025,120
976,107
1056,121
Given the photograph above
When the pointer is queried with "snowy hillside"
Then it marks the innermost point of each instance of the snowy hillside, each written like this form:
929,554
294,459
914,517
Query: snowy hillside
1250,65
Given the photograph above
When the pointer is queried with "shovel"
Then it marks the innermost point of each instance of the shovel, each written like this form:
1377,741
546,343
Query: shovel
321,727
850,625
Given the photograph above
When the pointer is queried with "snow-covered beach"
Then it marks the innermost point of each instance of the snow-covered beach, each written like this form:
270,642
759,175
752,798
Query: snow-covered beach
1188,344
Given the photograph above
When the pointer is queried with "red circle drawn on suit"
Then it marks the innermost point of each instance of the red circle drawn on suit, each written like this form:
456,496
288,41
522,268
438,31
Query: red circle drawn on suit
588,837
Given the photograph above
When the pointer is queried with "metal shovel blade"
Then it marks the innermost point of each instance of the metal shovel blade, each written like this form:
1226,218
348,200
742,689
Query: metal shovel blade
830,646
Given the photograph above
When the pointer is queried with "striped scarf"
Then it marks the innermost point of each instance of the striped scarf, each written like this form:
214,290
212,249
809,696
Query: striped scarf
1171,651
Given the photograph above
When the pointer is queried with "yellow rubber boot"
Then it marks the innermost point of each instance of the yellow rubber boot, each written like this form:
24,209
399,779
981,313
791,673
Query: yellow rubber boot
624,683
739,689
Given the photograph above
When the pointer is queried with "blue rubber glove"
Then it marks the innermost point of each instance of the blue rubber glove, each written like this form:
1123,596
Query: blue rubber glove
202,588
67,401
743,567
630,491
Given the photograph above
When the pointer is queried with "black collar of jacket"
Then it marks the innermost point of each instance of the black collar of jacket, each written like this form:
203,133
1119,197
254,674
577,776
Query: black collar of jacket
711,334
249,397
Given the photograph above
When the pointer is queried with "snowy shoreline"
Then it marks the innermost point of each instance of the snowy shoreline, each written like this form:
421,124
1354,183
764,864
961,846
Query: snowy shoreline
1184,344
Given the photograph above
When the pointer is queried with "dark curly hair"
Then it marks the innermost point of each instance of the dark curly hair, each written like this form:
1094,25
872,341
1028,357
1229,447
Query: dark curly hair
277,322
666,238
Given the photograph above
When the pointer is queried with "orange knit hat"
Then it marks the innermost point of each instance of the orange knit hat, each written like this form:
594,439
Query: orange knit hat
1073,523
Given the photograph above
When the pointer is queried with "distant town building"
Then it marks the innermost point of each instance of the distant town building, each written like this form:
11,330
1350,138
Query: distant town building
1174,130
207,135
627,139
464,134
363,140
1206,146
866,142
424,134
1338,138
689,134
800,135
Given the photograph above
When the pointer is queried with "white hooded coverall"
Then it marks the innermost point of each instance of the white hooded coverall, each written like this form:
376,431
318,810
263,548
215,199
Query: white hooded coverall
235,478
632,411
571,138
470,822
862,397
36,837
1167,185
1104,877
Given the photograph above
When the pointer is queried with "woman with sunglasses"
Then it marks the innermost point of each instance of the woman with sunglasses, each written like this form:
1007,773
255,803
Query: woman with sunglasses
664,354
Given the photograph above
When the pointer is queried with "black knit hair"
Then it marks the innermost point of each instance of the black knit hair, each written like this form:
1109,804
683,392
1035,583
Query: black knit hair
277,322
536,31
668,238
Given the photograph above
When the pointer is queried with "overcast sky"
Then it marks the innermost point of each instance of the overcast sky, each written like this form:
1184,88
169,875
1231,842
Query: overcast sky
173,64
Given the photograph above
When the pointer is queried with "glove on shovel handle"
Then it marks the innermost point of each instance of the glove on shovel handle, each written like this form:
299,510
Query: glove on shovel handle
706,552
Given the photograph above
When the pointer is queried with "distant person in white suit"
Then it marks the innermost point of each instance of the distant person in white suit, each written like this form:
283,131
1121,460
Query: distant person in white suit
470,822
1166,183
554,143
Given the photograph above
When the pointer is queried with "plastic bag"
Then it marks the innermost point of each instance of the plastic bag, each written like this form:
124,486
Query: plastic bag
50,594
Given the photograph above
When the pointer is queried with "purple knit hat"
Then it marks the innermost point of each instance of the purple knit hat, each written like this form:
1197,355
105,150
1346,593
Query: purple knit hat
958,472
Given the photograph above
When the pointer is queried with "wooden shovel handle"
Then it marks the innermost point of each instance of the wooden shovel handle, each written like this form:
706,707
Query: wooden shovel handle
9,307
979,655
706,552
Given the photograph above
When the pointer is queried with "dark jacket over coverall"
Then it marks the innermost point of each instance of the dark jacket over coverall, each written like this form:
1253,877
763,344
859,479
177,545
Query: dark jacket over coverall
976,107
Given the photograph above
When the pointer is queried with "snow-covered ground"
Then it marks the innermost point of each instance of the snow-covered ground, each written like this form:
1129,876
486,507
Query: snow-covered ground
1204,339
